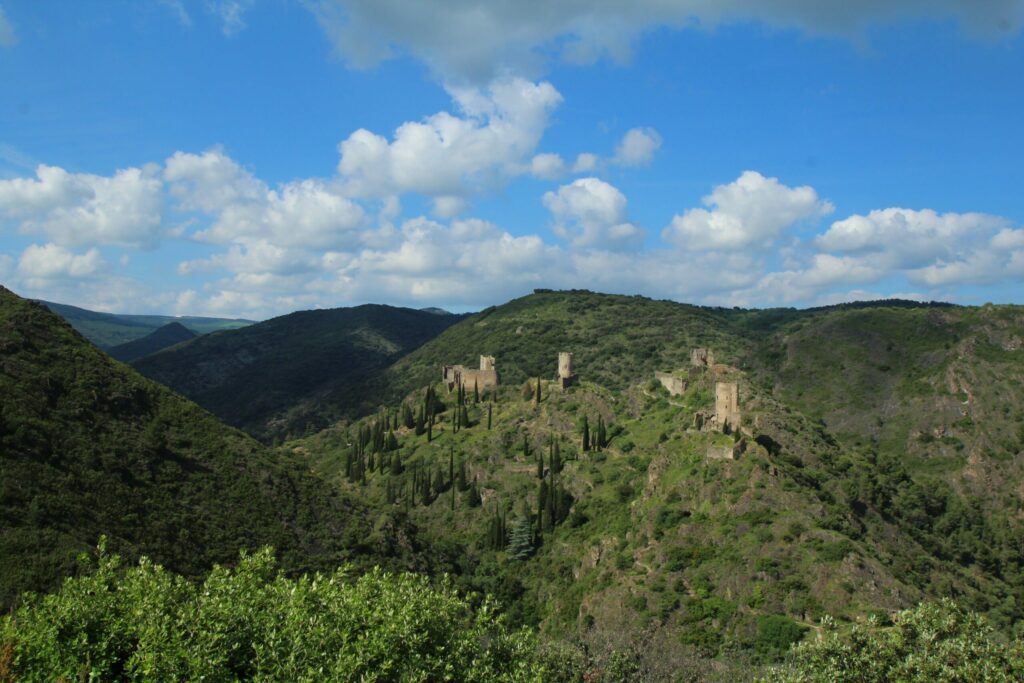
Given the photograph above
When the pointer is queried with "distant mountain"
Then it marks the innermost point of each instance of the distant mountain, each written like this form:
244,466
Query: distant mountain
107,330
161,338
435,310
90,447
296,373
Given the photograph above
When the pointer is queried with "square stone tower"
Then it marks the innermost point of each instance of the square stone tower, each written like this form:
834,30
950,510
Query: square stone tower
727,405
486,363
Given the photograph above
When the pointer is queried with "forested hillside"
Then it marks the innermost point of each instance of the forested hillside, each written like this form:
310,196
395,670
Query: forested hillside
294,374
89,447
880,465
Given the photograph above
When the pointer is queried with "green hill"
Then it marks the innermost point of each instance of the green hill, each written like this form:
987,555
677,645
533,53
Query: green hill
106,330
89,447
882,466
157,340
296,373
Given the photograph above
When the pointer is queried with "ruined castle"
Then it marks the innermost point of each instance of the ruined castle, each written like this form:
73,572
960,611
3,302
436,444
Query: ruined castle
727,401
484,378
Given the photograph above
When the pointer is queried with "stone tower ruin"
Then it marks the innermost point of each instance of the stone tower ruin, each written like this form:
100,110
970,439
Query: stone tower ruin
565,377
727,405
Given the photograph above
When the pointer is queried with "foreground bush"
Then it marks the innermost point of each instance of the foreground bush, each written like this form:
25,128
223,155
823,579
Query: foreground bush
252,623
933,643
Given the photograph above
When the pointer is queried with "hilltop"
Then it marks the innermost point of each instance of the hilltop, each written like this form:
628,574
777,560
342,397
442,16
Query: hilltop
89,447
293,374
157,340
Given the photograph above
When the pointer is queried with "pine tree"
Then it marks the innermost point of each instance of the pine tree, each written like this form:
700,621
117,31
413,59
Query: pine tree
520,542
586,434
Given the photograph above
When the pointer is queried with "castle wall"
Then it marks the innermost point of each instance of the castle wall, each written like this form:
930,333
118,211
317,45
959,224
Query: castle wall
453,375
675,385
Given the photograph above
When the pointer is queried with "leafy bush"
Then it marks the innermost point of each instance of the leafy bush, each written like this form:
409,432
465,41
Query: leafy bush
253,623
930,643
775,633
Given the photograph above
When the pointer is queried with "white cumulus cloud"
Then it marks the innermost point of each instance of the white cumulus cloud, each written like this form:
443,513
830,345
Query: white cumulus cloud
753,210
39,264
590,212
493,137
307,213
74,209
637,147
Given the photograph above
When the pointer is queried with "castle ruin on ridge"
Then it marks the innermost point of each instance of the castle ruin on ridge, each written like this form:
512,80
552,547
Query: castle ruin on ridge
565,376
484,378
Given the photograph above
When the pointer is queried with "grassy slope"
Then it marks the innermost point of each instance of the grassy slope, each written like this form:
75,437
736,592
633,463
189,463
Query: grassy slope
295,373
854,512
89,447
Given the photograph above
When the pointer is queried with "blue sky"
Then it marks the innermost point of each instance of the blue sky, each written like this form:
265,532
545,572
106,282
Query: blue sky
254,157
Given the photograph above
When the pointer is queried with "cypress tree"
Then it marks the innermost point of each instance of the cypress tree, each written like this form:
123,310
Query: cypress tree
537,401
395,465
473,499
542,490
540,464
556,459
451,474
586,434
489,405
549,506
420,421
476,392
526,447
462,482
407,417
